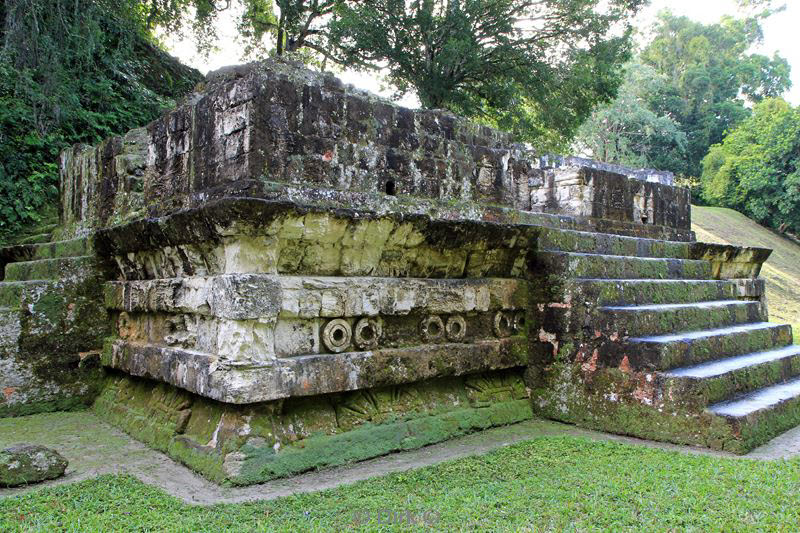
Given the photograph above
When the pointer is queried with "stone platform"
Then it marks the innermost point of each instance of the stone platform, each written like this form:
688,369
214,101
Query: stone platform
299,274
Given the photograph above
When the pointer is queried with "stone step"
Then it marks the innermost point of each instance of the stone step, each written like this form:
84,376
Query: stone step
36,239
47,269
11,291
715,381
600,266
652,291
606,243
68,248
605,226
653,319
665,352
758,416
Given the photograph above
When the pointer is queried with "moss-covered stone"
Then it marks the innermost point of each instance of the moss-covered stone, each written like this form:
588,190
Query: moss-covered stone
24,465
254,443
49,331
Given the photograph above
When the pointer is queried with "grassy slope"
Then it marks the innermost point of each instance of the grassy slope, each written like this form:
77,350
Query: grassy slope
551,483
782,269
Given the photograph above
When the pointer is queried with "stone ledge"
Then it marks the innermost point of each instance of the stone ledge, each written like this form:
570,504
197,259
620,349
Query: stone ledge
246,444
209,376
253,296
728,261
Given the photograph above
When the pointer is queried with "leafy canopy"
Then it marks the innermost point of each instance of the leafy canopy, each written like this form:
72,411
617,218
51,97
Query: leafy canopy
756,169
711,77
627,131
536,67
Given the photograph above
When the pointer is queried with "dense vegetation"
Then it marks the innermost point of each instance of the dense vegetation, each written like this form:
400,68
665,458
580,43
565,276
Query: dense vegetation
71,71
534,67
632,131
690,85
756,169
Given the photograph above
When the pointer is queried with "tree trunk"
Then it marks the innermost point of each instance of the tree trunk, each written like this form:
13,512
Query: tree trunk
281,34
3,23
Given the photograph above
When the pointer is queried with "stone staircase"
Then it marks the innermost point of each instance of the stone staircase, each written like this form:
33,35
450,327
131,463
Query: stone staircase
39,234
651,345
51,318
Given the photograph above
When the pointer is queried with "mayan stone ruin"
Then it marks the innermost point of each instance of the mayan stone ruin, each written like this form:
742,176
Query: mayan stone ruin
286,273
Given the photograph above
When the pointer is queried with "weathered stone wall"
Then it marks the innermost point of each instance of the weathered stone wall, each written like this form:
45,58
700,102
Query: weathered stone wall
245,301
277,123
598,194
652,175
245,444
272,130
287,337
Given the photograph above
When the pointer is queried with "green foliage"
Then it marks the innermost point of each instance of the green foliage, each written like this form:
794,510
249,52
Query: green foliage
628,132
72,71
708,67
756,169
28,173
690,85
535,67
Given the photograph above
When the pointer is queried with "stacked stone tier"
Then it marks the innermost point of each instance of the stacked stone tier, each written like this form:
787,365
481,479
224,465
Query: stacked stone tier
51,322
285,301
648,343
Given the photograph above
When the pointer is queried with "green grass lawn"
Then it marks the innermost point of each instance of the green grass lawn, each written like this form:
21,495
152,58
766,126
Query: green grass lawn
560,483
782,269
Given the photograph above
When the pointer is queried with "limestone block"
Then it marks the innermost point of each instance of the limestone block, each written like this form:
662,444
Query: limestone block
310,375
231,296
731,262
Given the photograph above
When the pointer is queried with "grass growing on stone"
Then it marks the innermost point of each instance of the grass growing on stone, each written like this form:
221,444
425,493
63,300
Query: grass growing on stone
546,483
782,269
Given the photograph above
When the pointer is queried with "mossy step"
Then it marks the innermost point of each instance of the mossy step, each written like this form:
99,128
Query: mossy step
68,248
722,379
605,243
11,291
664,352
47,228
653,319
651,291
761,415
603,266
36,239
47,269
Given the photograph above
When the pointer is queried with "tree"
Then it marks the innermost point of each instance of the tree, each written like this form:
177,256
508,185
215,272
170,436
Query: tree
712,77
299,25
756,169
537,67
628,132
